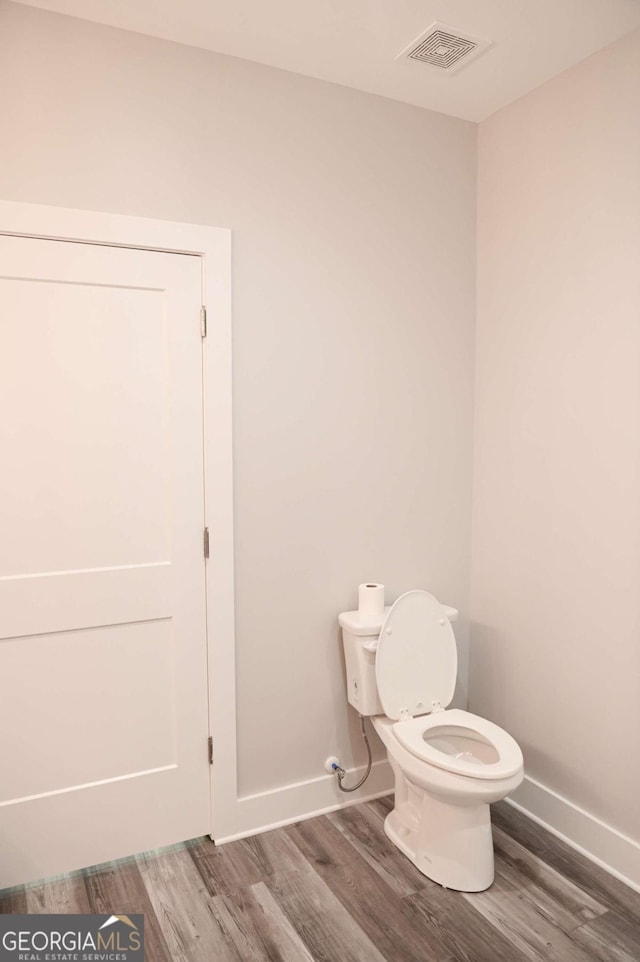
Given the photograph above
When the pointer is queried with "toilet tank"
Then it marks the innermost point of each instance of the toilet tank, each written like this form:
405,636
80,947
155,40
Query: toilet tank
360,635
360,639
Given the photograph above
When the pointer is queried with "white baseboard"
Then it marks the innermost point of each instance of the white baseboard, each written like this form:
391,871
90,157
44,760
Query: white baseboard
604,845
315,796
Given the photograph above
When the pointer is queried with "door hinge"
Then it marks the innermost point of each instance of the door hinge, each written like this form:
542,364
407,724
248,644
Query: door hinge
205,539
210,749
203,321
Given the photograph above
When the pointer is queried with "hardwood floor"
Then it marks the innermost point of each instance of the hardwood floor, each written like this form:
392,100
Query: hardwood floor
334,889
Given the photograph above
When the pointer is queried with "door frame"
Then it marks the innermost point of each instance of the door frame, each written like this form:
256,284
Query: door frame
213,246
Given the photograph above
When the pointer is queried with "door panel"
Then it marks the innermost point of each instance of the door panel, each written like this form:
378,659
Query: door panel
141,730
103,677
94,408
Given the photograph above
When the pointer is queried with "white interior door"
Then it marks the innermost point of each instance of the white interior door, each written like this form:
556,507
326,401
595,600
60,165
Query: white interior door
103,669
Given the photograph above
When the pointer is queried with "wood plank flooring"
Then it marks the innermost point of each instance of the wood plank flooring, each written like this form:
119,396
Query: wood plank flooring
334,889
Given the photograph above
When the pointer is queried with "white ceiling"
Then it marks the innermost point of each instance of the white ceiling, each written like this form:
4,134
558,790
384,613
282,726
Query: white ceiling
354,42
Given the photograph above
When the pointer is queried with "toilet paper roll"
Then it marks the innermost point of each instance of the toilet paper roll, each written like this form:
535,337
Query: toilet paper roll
371,600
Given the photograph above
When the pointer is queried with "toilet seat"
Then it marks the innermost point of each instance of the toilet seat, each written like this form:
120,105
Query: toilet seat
455,729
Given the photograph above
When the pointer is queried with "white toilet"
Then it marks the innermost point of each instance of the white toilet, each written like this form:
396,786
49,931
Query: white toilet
449,765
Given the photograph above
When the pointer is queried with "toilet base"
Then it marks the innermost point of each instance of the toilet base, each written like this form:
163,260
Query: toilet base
450,844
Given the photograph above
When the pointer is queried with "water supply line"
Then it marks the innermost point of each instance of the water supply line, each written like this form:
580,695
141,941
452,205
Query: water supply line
340,772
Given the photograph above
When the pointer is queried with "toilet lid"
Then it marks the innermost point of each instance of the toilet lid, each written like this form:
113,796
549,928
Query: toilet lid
416,659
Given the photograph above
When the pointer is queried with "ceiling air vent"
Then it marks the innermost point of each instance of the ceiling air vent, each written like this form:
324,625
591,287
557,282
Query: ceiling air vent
444,47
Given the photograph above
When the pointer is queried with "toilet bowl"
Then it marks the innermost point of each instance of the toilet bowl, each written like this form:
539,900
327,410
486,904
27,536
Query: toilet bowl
449,765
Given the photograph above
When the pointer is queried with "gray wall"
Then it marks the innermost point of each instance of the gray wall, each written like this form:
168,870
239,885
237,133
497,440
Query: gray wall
353,286
556,542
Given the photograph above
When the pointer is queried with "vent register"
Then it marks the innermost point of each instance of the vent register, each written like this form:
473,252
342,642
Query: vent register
443,47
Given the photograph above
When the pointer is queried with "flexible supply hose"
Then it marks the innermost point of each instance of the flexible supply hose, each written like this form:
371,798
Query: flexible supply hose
340,772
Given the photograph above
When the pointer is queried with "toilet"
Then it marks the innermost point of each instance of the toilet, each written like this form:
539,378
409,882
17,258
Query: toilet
449,765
